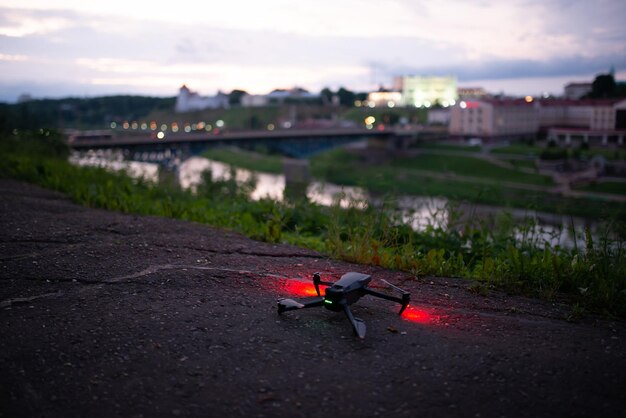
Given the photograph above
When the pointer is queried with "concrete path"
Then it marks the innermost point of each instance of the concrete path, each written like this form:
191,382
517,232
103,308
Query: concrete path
104,314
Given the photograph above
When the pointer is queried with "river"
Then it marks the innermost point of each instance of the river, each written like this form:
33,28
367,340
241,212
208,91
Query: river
420,212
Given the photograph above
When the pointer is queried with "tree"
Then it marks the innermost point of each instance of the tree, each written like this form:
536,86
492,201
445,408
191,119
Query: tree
603,86
346,97
234,97
360,96
326,95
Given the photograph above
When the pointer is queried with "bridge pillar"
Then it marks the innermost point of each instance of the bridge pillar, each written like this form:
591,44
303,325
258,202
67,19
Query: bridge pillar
297,177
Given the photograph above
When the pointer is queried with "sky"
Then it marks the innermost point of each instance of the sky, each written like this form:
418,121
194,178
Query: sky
60,48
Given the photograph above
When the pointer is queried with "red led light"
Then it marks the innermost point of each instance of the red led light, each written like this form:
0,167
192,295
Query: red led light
296,288
418,315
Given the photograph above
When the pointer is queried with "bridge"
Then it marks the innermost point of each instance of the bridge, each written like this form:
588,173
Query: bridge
296,143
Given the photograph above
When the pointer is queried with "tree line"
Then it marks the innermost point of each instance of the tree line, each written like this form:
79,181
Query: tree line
78,112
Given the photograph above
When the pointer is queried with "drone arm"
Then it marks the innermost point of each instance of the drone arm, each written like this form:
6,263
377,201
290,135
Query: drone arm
357,325
291,305
317,281
404,300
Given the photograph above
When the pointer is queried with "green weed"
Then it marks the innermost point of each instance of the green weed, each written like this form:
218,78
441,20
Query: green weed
498,254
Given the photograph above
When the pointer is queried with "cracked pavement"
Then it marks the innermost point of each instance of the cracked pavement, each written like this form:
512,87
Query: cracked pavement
107,314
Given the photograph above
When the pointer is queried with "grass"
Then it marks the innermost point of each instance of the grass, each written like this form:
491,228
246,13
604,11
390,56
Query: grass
472,167
410,177
611,154
521,163
519,149
341,167
591,276
246,159
438,146
611,187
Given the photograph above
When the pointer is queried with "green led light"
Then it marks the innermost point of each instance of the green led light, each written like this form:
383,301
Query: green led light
328,301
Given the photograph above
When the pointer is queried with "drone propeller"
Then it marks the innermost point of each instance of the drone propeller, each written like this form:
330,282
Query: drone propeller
393,286
290,304
404,301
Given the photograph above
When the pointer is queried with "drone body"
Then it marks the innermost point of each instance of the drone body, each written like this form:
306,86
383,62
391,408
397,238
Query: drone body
339,295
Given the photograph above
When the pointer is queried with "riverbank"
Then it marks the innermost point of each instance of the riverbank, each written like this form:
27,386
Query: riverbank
112,314
504,255
450,172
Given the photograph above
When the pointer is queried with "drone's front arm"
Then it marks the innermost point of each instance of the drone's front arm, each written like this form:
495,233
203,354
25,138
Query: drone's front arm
290,304
404,300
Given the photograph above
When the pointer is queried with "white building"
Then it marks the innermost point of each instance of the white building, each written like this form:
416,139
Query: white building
296,94
587,114
601,121
576,90
188,101
471,93
494,118
426,91
383,98
254,100
438,116
278,96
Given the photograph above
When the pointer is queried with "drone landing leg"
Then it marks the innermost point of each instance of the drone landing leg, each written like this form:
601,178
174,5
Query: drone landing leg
357,325
290,304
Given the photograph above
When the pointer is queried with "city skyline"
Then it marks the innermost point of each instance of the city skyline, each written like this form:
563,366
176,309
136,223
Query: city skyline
522,47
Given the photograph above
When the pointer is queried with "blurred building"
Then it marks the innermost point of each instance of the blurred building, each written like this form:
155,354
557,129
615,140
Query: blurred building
600,121
279,97
471,93
560,120
398,83
384,98
494,118
254,100
188,101
427,91
576,90
24,97
294,95
587,114
438,116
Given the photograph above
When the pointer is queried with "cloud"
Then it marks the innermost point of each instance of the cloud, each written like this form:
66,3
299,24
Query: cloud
261,45
19,23
510,69
7,57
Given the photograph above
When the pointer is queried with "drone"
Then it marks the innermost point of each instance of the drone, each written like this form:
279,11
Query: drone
340,295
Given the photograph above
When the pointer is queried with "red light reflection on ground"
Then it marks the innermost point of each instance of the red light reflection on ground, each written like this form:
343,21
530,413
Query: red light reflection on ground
297,288
418,315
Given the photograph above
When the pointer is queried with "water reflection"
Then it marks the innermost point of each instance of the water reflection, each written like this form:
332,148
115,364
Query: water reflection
114,160
268,186
418,212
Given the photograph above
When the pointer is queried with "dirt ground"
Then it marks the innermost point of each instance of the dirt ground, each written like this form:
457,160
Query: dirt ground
104,314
